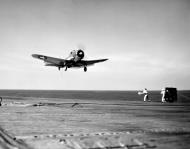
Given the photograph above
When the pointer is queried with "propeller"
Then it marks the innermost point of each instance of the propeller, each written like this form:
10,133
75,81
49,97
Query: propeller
80,53
82,47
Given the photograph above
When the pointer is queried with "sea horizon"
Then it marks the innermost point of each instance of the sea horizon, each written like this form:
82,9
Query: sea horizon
88,89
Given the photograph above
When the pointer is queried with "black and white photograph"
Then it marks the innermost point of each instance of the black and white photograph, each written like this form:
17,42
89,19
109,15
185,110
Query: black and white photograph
94,74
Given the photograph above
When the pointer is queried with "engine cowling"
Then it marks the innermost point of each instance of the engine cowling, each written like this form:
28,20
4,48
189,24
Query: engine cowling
80,54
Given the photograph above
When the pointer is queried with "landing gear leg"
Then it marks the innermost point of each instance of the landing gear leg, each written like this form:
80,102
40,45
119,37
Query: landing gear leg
66,68
59,68
85,69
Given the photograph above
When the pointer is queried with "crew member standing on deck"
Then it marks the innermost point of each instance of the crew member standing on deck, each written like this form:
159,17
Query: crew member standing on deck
165,95
163,92
145,92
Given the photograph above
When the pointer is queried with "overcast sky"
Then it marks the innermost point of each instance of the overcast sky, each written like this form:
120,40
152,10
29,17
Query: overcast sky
147,43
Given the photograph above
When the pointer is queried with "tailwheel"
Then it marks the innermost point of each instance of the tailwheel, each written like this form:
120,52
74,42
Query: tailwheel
85,69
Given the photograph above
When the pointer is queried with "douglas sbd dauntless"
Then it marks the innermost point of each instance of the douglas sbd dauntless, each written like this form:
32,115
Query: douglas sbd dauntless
74,60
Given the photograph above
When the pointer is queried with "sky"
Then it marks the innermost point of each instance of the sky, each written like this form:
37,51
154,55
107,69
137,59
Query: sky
146,41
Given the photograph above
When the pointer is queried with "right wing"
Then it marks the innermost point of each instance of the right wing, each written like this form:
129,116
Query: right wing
50,61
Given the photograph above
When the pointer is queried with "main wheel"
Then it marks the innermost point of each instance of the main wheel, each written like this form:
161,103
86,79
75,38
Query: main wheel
85,69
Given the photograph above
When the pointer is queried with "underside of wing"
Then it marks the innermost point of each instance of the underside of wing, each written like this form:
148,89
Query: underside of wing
50,64
50,61
92,62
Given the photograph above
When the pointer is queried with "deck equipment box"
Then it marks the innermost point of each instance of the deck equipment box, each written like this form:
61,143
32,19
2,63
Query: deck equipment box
170,94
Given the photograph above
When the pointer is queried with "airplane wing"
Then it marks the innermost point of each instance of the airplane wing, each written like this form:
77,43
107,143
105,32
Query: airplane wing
91,62
50,61
60,63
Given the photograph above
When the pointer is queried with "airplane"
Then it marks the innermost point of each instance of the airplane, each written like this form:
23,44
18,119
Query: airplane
74,60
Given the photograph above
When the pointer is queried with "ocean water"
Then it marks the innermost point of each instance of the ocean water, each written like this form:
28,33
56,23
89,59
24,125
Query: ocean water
155,96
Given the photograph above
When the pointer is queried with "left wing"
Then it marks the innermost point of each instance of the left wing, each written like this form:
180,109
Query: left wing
91,62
